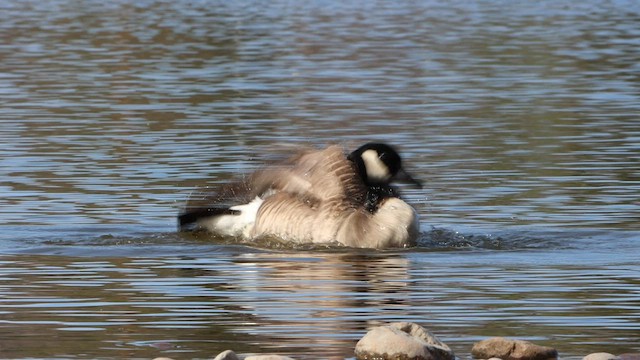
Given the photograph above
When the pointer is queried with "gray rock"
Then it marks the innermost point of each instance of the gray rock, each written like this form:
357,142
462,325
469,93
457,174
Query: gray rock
227,355
402,340
507,349
629,356
267,357
601,356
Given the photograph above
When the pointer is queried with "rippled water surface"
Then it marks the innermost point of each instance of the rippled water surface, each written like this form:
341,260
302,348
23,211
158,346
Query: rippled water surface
522,120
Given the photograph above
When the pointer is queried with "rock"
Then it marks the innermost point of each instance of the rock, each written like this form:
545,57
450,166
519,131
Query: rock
162,358
402,340
601,356
507,349
629,356
267,357
227,355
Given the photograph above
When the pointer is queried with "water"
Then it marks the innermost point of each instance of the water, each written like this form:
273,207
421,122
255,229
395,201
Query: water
521,119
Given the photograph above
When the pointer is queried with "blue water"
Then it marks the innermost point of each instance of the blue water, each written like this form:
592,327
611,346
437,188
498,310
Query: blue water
521,120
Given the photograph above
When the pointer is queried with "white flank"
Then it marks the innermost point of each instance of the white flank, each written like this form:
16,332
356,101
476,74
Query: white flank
376,169
235,225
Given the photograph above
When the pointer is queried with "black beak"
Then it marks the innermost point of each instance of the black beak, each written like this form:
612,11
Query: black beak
404,177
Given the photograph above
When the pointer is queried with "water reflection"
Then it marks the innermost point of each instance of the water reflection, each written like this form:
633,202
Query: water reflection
305,304
336,294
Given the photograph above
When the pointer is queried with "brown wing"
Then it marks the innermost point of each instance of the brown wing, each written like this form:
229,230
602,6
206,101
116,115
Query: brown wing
312,179
316,194
327,175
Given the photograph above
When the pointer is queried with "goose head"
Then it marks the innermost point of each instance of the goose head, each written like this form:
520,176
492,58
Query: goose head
379,164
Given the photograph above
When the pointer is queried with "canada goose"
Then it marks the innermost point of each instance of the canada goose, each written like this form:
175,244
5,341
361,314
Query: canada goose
317,196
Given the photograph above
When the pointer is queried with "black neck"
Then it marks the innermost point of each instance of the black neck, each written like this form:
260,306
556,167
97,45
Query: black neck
375,195
356,158
376,192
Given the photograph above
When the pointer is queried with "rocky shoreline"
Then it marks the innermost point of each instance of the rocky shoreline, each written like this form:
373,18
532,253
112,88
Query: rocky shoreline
410,341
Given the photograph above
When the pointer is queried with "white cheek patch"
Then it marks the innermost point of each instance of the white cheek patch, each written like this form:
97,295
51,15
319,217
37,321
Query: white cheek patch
377,171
